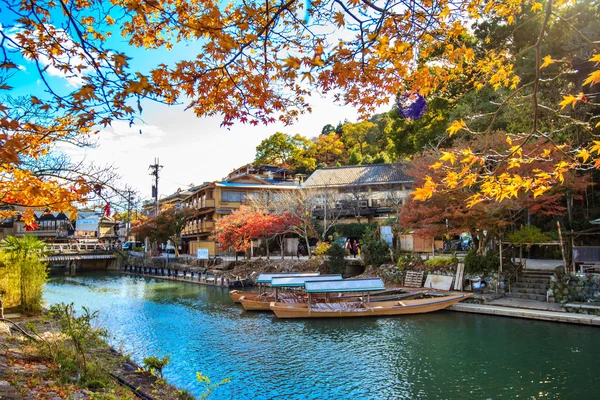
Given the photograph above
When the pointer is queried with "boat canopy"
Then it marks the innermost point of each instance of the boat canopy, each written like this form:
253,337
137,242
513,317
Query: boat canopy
345,285
266,278
300,281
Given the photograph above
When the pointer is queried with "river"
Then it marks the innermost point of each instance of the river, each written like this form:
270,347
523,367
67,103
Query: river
442,355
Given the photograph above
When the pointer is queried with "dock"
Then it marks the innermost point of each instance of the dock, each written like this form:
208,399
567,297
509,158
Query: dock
544,315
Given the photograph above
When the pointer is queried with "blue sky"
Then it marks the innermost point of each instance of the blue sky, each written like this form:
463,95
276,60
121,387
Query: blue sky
192,150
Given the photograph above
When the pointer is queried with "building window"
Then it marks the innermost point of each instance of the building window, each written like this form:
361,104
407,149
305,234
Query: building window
253,196
233,197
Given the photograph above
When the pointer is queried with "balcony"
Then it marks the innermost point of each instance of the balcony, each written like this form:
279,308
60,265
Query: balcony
209,203
208,226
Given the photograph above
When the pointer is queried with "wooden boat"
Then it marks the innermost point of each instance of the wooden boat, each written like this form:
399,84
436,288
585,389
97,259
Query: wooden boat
357,309
237,294
263,280
264,303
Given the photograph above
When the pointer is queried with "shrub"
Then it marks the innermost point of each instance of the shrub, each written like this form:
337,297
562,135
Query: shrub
336,255
528,234
155,365
355,230
374,249
80,331
476,263
321,249
441,262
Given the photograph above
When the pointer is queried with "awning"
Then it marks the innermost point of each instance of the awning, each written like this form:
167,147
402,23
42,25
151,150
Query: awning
346,285
300,281
266,278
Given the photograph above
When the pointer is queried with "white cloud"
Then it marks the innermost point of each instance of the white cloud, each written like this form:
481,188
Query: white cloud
191,149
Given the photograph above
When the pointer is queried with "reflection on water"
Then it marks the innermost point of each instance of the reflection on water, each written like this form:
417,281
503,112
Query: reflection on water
441,355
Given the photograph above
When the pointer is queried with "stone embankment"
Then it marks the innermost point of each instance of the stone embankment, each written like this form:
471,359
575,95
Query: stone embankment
226,274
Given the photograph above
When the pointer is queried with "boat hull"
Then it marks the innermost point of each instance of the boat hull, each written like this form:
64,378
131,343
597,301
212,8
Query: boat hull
253,304
256,304
237,294
374,309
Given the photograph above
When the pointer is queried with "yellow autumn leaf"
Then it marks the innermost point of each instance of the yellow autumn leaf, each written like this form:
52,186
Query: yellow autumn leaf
437,165
535,7
451,180
508,140
595,147
446,156
425,192
456,126
476,198
546,153
595,58
570,99
583,154
546,60
292,62
516,150
538,191
593,78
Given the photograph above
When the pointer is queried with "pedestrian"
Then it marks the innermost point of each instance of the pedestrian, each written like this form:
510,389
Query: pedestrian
354,248
349,246
358,249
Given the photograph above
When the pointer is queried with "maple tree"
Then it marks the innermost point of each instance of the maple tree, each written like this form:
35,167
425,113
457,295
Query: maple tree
237,230
257,62
451,213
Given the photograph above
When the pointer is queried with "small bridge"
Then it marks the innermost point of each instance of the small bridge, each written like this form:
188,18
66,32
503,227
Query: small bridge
73,257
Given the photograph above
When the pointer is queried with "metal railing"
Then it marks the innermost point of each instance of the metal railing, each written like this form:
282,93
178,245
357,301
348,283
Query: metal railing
78,247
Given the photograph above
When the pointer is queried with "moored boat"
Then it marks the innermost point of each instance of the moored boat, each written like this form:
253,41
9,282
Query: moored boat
358,309
263,280
261,302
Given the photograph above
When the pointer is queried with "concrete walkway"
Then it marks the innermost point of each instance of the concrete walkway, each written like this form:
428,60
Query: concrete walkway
582,319
527,304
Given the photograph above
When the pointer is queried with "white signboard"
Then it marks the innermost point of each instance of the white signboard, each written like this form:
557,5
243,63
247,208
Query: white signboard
202,254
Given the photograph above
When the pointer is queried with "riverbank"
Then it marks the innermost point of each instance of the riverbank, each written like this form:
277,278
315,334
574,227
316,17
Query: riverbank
36,364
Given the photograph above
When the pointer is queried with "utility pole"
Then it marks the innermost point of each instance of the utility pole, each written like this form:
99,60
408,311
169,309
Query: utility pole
154,168
128,214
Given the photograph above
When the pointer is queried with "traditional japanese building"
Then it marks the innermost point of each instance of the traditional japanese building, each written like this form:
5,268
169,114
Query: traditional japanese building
364,193
213,200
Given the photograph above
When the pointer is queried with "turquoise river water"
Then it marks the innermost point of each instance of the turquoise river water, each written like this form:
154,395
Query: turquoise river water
443,355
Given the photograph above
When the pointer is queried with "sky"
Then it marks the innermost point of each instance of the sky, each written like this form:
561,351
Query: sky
192,150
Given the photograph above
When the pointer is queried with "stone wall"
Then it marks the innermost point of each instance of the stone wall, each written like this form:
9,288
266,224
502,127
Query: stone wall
574,287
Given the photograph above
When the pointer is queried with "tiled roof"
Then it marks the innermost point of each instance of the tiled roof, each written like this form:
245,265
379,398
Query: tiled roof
359,175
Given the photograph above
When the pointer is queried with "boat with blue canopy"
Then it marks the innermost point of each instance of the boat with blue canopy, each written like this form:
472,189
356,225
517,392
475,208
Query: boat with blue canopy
294,294
264,280
328,309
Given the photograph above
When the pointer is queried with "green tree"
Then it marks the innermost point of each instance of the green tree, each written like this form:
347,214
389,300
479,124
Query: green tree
294,152
355,158
168,225
329,150
23,259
